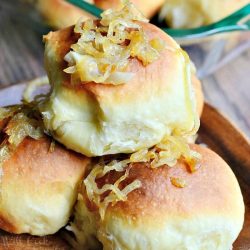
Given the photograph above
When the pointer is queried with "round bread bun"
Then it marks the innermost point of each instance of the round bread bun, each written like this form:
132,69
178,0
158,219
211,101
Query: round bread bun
206,214
195,13
148,7
99,119
39,187
60,14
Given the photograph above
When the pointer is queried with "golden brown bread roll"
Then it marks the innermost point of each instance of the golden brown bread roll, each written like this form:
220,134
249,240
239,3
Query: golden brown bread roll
195,13
207,213
39,187
60,14
148,8
98,119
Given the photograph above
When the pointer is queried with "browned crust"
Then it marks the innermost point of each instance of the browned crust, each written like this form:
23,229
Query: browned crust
32,156
7,225
59,44
31,170
210,190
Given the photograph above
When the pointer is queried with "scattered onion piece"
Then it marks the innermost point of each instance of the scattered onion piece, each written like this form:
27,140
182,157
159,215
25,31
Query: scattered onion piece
178,182
193,165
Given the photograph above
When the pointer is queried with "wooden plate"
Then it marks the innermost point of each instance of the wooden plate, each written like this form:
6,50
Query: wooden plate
216,131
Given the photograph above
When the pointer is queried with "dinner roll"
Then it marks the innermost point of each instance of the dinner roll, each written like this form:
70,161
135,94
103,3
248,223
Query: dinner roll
60,14
98,119
147,7
207,213
195,13
39,187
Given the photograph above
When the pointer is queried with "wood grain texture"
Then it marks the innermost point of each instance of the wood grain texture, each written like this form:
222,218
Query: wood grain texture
27,242
225,139
21,48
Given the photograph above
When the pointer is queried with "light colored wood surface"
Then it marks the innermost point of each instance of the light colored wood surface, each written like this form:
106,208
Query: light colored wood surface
229,91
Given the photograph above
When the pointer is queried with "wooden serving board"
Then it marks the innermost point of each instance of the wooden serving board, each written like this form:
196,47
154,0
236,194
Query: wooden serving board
216,131
225,139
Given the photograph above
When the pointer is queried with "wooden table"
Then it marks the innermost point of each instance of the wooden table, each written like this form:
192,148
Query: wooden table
21,59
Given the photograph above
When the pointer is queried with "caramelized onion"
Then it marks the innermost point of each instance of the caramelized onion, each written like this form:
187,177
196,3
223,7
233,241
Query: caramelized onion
178,182
167,152
94,193
22,121
105,47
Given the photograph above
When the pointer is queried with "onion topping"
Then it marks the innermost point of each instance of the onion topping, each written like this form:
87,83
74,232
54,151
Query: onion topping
18,122
167,152
178,182
115,194
103,51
